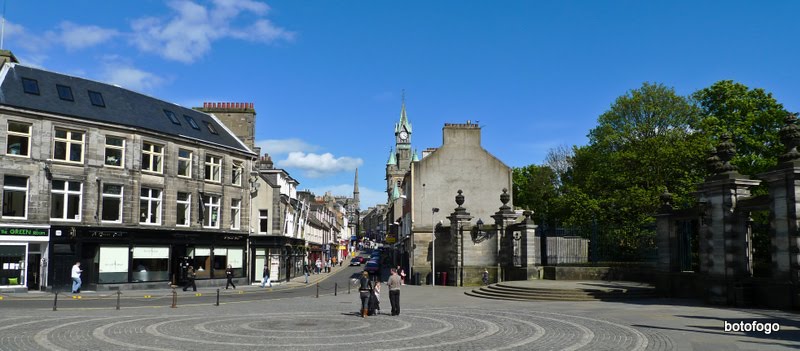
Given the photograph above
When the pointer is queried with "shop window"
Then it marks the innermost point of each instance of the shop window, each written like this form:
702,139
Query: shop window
236,213
228,256
184,163
112,203
115,151
150,264
18,141
152,155
65,200
263,221
113,265
150,206
213,167
183,209
68,145
211,209
12,264
15,197
201,261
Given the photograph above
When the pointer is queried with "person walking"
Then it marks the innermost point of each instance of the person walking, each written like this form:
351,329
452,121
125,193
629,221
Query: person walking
318,263
265,280
485,277
76,277
394,291
190,276
364,292
229,275
306,272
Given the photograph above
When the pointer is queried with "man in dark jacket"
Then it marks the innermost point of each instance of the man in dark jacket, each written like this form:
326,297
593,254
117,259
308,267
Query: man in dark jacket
190,276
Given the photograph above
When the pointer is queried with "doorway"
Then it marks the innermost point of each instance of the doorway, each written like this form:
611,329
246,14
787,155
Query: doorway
34,269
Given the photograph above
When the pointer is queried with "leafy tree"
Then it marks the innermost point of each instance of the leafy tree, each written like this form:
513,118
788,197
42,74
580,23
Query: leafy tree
534,188
751,116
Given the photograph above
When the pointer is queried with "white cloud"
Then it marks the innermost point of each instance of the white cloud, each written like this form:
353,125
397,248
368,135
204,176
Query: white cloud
130,77
367,197
284,146
191,30
316,165
75,37
20,36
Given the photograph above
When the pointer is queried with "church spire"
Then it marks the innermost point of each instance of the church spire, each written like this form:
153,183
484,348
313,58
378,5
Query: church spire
392,159
356,201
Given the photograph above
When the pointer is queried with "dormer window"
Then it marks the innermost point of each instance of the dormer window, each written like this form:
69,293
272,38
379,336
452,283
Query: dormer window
30,86
191,122
96,99
211,128
64,92
172,117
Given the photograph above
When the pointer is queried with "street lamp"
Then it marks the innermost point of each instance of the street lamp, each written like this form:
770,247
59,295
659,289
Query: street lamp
433,247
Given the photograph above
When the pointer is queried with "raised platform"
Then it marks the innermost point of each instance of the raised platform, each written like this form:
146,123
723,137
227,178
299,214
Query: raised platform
564,290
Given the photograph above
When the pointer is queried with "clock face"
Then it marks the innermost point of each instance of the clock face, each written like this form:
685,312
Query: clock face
403,135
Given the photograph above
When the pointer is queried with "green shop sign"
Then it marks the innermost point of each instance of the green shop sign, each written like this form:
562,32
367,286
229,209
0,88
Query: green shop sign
24,231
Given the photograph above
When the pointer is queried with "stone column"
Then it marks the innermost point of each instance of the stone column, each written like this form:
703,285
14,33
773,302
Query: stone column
459,224
723,240
784,194
502,220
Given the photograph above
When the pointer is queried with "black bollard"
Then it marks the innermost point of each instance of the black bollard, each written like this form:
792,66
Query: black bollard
335,289
348,289
55,302
317,290
118,295
217,297
174,299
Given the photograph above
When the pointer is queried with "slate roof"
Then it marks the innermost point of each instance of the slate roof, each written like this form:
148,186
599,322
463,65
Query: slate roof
122,106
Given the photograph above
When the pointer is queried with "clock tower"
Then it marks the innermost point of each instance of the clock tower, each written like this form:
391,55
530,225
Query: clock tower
400,158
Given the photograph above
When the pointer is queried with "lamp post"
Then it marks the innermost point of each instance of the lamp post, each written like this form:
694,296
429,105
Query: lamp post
433,246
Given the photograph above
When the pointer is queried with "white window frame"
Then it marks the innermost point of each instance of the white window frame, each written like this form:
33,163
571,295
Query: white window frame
210,205
65,192
114,147
236,213
7,187
105,196
212,163
150,201
188,161
153,155
236,177
188,210
262,217
14,133
69,142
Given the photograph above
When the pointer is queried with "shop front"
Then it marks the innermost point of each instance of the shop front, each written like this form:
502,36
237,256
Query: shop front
21,251
133,258
280,252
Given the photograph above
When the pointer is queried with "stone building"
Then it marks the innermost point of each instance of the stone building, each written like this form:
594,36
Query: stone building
133,187
416,186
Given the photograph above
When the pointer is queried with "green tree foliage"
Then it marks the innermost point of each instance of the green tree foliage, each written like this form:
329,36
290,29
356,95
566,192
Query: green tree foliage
751,116
535,189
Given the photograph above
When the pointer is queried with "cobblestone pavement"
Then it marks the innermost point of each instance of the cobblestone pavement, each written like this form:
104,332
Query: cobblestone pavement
432,318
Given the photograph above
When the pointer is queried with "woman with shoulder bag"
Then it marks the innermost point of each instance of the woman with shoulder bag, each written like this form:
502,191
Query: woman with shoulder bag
364,291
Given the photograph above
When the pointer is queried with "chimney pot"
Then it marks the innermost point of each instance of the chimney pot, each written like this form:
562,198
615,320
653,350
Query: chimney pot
251,105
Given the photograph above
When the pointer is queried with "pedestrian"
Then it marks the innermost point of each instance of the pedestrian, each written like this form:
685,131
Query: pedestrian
265,280
485,277
375,300
306,272
394,292
402,276
190,276
229,275
76,277
364,292
318,263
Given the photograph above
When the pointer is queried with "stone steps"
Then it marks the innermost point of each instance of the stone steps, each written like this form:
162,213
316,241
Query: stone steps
503,291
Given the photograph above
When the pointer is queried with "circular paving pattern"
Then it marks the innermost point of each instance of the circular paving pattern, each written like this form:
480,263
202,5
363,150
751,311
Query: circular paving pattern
415,329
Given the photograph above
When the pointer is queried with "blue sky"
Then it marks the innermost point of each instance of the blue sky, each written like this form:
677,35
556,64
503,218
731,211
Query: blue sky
326,76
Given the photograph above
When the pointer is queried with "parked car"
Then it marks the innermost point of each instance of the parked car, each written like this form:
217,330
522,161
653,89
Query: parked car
372,267
356,261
